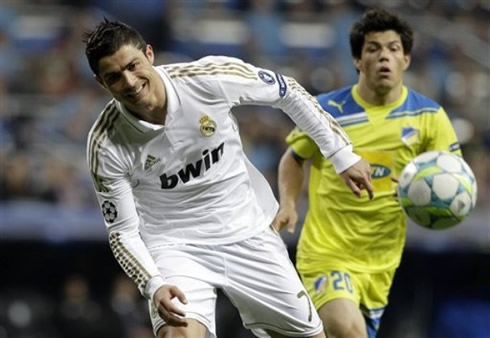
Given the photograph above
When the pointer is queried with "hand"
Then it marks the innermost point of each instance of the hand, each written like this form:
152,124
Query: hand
358,177
170,313
286,217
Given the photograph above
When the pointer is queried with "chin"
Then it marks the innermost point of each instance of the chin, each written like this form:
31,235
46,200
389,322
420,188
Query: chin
385,85
382,89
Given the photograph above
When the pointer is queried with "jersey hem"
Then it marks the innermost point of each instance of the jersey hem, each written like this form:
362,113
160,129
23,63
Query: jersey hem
315,264
207,241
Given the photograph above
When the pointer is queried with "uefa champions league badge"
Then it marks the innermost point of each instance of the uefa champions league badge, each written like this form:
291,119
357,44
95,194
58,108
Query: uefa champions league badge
207,126
321,283
282,85
266,77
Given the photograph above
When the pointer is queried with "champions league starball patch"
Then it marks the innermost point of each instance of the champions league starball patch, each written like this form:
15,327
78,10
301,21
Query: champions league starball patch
109,211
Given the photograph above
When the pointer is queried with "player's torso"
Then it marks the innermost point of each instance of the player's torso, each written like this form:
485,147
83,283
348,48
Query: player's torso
194,147
189,179
190,174
388,137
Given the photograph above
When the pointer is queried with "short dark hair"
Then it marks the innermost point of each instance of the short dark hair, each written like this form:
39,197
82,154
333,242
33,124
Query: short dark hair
379,20
107,38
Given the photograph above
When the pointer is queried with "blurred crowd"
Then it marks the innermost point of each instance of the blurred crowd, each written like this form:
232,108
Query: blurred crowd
77,312
49,100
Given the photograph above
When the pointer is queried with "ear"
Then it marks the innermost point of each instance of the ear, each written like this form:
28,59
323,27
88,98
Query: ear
150,54
407,59
357,64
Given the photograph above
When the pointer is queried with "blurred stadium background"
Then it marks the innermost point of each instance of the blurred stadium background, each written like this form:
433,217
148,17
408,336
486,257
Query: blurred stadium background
59,278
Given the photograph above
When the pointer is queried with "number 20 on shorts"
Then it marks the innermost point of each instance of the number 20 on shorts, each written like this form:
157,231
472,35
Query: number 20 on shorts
341,281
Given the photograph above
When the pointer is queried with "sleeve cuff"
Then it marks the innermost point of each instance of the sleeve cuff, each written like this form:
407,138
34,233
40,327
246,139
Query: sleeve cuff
153,285
344,159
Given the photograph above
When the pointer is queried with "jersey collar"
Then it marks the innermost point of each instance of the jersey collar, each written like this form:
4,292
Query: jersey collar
366,105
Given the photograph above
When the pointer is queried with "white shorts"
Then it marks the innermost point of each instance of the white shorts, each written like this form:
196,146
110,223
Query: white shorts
255,274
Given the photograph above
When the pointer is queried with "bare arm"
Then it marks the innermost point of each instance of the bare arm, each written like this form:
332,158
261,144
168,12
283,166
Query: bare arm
291,177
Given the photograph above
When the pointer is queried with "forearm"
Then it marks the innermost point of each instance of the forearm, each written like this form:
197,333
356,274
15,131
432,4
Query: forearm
123,226
133,256
309,116
290,179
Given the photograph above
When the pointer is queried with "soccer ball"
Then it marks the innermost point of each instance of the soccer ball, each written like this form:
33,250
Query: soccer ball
437,190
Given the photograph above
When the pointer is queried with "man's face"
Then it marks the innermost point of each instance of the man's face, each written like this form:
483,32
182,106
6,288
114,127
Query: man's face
382,61
130,77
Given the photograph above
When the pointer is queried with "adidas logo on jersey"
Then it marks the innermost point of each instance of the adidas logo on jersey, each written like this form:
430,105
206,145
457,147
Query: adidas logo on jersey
193,170
150,161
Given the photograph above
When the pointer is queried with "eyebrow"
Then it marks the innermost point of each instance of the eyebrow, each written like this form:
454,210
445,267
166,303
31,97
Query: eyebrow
104,76
379,43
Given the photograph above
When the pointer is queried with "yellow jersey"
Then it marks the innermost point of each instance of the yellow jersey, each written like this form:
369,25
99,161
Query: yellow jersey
364,235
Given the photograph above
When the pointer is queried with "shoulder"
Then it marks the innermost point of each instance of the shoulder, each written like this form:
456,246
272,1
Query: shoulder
208,65
105,121
339,94
416,105
105,132
339,102
417,100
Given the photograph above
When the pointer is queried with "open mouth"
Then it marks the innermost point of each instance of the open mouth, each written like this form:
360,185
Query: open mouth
384,71
136,93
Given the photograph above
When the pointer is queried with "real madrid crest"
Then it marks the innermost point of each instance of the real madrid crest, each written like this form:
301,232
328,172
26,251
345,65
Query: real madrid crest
208,126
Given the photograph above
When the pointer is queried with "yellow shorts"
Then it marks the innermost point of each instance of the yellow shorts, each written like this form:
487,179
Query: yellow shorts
368,290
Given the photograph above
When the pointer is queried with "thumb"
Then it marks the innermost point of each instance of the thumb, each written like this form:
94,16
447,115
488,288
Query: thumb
182,298
291,226
276,223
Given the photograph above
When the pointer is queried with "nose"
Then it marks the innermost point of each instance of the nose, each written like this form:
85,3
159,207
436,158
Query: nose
383,55
129,78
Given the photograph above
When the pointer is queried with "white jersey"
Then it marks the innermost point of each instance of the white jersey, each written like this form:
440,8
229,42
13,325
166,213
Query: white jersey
189,182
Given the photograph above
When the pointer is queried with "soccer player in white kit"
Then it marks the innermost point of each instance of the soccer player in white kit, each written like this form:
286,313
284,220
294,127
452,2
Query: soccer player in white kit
185,210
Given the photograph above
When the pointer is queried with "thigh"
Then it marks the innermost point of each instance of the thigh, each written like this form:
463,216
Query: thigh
184,268
332,282
374,299
342,317
263,284
336,293
194,329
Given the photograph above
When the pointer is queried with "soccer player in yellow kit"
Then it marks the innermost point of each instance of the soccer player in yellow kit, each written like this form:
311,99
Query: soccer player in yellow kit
349,249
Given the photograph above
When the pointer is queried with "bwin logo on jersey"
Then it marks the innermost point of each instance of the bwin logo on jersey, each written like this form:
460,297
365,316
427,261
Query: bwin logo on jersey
379,171
208,126
193,170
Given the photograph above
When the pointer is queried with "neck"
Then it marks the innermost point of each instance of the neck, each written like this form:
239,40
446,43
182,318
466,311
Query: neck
379,96
155,115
